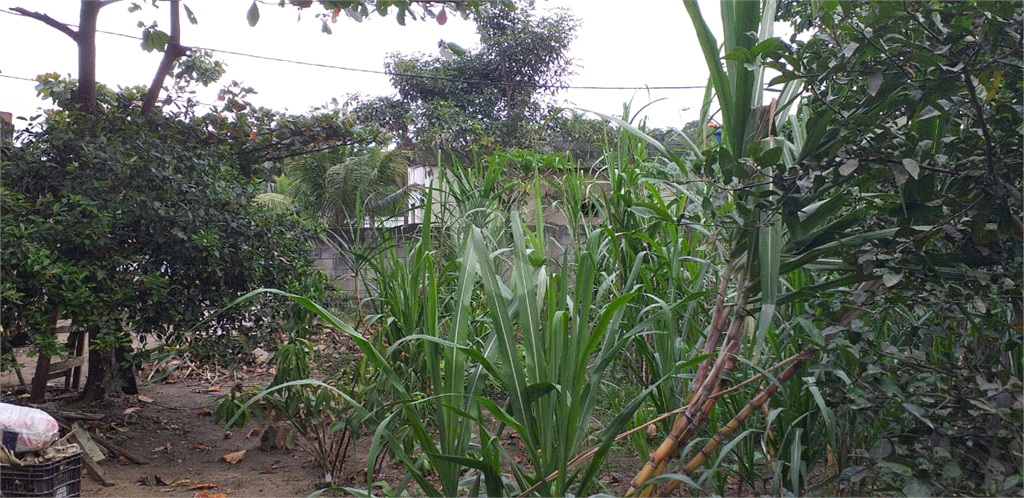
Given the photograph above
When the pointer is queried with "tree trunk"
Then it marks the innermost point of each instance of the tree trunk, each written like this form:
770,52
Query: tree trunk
86,38
108,368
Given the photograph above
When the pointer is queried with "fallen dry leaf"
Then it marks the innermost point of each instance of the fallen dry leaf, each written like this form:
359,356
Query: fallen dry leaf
159,480
204,494
234,458
267,472
253,433
132,410
145,399
205,413
166,490
200,447
205,485
211,389
123,461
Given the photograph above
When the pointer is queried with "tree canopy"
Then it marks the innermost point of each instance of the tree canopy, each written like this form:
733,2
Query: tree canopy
490,98
131,227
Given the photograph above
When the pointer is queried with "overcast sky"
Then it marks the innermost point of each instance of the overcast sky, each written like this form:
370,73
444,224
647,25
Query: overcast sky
625,44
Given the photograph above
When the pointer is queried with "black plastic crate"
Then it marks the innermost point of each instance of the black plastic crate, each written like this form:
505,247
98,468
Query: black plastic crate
59,478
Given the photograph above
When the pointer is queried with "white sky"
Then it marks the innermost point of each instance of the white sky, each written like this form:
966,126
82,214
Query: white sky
629,44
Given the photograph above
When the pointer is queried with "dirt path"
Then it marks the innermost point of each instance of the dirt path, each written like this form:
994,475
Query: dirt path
176,433
171,425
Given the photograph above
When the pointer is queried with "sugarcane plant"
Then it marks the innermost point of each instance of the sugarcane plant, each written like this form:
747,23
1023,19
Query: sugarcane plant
783,223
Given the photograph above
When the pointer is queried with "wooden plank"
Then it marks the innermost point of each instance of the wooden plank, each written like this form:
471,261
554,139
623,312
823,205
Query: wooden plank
119,450
76,374
95,470
73,415
60,368
89,446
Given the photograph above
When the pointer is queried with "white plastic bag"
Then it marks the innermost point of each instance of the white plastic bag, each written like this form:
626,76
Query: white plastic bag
26,429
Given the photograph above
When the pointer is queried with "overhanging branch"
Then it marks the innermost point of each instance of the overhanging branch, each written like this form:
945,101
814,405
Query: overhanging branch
49,21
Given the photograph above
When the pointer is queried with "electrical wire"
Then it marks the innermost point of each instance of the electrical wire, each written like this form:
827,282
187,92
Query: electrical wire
17,78
408,75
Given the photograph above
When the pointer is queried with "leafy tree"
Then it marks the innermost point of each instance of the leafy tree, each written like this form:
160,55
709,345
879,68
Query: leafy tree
490,98
925,99
133,227
889,206
170,43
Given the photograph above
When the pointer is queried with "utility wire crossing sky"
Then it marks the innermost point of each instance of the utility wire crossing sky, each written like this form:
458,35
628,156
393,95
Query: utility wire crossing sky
648,57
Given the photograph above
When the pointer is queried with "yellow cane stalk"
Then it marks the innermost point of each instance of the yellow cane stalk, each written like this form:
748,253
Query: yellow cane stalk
699,406
720,437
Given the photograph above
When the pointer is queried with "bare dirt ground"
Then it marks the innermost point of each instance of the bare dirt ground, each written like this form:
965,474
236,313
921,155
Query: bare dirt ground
170,425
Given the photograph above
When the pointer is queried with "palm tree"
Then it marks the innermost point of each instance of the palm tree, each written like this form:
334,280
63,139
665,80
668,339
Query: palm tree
342,189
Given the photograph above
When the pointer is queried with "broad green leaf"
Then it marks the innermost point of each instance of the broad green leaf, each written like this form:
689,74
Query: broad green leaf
769,45
912,166
898,468
849,166
770,157
899,173
891,278
874,83
188,13
253,16
918,412
917,488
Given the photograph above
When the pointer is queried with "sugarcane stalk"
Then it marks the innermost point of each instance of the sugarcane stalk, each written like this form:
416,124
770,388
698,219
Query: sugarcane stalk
698,409
702,400
586,455
728,429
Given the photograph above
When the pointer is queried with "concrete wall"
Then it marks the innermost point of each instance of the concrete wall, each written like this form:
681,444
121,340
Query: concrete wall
338,263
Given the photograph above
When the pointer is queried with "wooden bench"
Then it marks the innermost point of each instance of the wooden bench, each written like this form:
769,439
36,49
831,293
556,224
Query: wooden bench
70,369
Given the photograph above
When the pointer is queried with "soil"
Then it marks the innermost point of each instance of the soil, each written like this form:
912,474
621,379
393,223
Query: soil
171,426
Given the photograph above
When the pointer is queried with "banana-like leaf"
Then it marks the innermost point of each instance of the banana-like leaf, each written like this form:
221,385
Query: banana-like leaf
275,201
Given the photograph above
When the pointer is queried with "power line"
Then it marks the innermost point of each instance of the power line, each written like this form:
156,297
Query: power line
408,75
17,78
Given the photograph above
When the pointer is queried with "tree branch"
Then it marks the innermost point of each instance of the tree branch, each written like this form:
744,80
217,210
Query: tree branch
49,21
989,155
172,52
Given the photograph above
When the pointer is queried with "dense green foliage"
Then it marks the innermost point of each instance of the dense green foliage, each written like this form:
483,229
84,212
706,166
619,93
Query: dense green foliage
925,99
826,300
830,294
131,227
479,101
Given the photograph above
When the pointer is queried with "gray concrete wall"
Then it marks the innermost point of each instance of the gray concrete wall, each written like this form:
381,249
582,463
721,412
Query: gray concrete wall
337,262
